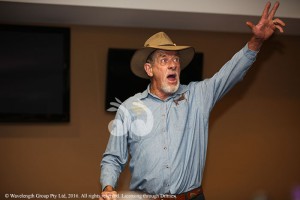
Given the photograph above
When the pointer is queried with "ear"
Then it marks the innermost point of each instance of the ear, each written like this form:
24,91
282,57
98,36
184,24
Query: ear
148,69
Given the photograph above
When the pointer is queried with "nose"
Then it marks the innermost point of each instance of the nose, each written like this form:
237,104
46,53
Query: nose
172,65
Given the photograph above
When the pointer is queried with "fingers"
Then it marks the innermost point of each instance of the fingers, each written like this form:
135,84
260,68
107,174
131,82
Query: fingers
266,10
278,21
266,14
109,195
279,24
273,11
279,28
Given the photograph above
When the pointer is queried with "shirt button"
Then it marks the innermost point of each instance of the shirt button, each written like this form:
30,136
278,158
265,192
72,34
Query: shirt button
165,148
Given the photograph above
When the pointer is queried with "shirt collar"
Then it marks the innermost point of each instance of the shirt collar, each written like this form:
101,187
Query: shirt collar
182,89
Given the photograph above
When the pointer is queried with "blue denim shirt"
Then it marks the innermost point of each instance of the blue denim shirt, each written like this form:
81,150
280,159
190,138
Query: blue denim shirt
167,139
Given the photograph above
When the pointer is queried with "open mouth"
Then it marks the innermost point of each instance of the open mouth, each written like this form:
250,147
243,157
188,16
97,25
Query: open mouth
171,77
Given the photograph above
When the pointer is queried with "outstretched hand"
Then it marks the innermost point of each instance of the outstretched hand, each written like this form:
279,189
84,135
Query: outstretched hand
266,25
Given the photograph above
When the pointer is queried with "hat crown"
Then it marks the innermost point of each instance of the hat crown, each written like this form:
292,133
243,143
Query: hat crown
159,39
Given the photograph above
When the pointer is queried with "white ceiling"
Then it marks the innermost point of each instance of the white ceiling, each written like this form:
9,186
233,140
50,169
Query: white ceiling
205,15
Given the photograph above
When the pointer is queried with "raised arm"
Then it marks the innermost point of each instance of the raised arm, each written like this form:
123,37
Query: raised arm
265,27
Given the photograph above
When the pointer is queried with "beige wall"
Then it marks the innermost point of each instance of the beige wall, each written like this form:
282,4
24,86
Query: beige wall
254,141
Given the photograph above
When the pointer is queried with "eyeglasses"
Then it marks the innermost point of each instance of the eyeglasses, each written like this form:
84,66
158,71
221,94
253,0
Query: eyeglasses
164,60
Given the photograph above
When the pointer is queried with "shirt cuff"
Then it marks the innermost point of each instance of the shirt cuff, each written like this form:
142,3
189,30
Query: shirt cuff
103,185
250,54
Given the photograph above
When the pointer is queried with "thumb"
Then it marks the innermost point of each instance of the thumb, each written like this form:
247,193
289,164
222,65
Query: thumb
250,25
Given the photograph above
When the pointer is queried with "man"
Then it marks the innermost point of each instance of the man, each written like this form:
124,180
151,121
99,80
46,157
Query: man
165,128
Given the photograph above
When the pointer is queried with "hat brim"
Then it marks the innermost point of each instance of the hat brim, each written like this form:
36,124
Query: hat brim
139,58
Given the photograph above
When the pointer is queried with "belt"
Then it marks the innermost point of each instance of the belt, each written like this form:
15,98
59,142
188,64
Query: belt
183,196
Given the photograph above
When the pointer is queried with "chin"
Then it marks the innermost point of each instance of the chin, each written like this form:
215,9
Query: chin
170,89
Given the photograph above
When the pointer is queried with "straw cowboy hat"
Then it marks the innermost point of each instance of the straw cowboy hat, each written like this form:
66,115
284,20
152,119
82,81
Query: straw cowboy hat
163,42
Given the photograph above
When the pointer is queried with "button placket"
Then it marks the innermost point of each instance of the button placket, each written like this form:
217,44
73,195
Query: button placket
166,147
166,163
